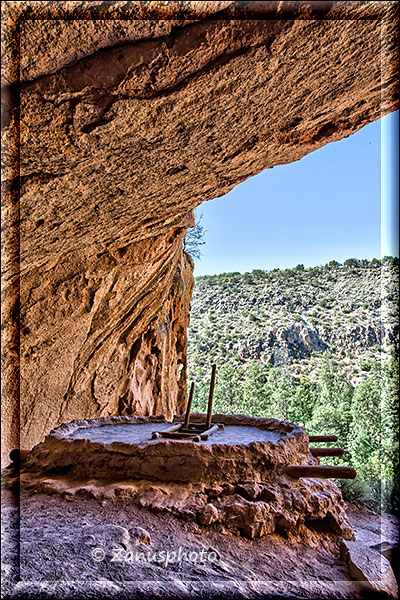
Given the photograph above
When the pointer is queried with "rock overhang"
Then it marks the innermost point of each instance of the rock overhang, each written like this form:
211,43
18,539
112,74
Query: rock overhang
107,166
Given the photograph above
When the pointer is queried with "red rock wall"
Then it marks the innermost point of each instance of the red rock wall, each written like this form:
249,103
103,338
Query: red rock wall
104,335
155,373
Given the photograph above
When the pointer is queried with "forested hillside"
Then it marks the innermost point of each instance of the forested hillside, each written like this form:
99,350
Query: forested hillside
314,346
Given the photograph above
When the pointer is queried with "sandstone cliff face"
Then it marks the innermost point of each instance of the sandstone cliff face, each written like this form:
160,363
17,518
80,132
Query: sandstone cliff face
110,145
108,334
155,380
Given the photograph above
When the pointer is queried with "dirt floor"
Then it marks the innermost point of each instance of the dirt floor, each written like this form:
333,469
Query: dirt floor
82,548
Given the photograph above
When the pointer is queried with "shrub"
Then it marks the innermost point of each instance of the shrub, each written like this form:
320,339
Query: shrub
357,491
351,262
365,365
194,239
375,262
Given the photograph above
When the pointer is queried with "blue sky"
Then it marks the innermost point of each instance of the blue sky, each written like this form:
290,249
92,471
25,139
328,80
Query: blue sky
327,206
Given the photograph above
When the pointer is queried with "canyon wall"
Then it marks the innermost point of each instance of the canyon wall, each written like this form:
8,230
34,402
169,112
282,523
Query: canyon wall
118,120
105,335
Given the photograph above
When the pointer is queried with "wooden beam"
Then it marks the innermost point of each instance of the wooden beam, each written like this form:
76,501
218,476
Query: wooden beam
174,435
210,398
321,472
157,434
189,407
327,451
206,434
173,428
322,438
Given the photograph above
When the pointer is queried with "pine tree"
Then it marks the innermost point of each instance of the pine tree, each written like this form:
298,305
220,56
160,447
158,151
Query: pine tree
365,435
256,394
390,435
194,238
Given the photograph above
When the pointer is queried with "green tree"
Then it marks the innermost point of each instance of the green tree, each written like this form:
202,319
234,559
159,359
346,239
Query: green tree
390,434
256,394
365,441
332,409
194,238
197,375
351,262
304,399
375,262
281,391
228,394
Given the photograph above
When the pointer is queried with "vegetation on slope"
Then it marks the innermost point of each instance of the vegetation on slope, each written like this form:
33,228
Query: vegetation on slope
313,346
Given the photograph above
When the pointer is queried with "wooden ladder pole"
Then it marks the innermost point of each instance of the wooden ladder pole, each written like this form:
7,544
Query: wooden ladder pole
321,472
322,438
189,407
210,398
327,451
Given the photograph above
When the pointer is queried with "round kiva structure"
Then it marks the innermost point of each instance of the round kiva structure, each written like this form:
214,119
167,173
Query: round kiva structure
251,476
118,448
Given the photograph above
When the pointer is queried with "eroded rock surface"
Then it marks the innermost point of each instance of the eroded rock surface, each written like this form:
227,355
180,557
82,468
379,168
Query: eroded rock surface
114,143
56,551
94,336
370,568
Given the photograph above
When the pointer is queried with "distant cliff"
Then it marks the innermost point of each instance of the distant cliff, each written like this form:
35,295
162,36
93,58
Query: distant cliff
290,316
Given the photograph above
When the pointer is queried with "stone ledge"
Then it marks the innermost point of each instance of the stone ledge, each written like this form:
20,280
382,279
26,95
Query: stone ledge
369,567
